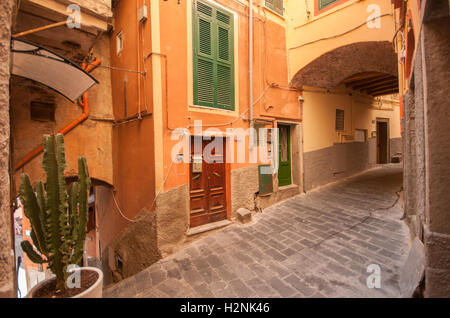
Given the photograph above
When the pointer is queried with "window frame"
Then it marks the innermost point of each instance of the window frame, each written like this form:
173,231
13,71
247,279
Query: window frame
119,42
216,59
274,10
42,111
318,10
338,110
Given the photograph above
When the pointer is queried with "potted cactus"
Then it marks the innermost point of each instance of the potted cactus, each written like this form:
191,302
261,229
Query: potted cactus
58,217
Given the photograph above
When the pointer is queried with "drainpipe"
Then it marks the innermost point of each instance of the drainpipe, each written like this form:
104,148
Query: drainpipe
301,102
69,127
250,63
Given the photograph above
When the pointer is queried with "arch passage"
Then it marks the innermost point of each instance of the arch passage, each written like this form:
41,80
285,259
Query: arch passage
332,68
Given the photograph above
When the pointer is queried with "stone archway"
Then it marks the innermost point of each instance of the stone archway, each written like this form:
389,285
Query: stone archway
332,68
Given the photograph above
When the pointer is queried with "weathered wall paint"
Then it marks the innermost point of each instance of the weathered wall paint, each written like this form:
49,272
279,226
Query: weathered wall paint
324,48
92,139
270,67
338,20
7,272
133,144
319,112
162,47
423,78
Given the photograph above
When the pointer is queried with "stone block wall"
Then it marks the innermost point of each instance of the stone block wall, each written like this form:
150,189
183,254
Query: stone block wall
244,185
151,236
7,271
427,147
342,160
436,62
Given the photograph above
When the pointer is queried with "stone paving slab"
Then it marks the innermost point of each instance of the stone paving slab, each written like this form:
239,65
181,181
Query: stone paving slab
314,245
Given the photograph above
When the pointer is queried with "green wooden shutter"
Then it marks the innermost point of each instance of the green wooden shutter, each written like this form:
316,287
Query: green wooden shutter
325,3
279,7
225,78
270,4
203,55
213,57
276,5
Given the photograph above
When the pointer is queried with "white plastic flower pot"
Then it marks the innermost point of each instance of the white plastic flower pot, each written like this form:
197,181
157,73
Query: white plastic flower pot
95,291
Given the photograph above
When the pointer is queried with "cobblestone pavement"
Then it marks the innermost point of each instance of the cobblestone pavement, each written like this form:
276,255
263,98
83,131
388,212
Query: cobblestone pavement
313,245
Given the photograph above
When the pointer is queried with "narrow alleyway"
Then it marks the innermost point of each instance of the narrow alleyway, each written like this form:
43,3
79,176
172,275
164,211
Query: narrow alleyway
314,245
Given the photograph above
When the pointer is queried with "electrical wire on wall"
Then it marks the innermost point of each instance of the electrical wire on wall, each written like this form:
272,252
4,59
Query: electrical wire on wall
241,116
112,68
341,34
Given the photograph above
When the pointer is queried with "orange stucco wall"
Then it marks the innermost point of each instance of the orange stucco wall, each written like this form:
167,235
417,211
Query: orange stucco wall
163,49
270,67
133,147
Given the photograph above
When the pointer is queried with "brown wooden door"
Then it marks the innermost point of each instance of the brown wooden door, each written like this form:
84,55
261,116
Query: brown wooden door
382,142
207,188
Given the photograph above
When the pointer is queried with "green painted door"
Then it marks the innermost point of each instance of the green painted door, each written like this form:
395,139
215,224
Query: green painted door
284,155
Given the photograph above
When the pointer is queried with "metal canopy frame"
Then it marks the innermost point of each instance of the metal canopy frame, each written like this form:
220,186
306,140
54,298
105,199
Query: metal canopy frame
84,82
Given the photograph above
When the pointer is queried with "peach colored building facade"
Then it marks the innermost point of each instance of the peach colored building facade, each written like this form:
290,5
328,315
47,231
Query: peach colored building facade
167,65
163,47
166,52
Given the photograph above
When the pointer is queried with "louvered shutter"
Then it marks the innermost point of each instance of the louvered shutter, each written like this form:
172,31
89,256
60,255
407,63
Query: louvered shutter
270,4
276,5
279,7
203,55
225,78
325,3
213,57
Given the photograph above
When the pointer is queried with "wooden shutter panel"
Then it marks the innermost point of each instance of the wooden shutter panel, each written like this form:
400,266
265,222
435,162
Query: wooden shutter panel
279,7
203,55
270,4
213,57
324,3
225,78
340,123
276,5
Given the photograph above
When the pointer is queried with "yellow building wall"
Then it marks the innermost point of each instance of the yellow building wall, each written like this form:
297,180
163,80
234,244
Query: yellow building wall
319,112
345,24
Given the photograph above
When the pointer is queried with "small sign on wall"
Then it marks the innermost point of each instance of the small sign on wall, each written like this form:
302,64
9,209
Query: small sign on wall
197,164
360,135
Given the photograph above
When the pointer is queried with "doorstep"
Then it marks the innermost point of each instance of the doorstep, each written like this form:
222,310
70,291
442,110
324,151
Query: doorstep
287,187
207,227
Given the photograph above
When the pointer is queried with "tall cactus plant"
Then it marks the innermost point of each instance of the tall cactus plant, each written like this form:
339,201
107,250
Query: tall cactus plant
58,216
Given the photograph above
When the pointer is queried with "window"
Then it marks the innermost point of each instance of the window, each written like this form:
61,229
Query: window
339,119
119,43
42,111
261,129
276,5
213,43
326,3
284,143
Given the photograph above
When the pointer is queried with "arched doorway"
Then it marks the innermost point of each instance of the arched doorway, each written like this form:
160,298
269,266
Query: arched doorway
351,117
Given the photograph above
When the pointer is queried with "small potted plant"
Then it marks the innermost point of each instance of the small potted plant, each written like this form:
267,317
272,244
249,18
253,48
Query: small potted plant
58,217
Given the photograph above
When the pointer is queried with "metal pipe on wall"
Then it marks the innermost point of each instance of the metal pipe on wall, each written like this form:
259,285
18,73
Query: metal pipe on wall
85,115
250,64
